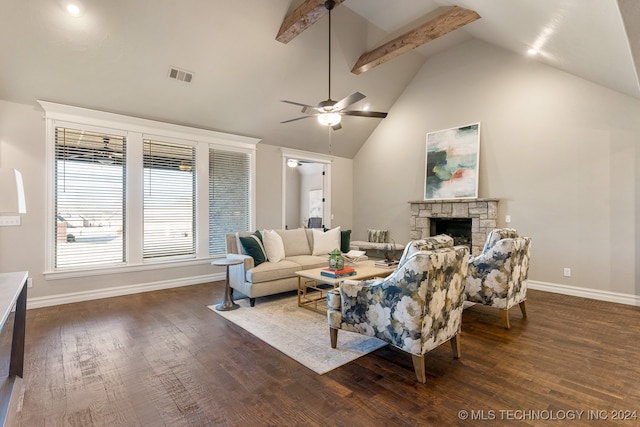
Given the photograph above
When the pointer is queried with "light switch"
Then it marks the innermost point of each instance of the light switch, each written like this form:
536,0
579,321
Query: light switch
507,219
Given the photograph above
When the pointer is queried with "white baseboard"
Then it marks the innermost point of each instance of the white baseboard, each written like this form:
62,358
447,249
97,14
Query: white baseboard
39,302
575,291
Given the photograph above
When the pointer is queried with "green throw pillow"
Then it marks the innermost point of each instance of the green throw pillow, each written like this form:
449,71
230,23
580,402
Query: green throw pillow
345,240
252,245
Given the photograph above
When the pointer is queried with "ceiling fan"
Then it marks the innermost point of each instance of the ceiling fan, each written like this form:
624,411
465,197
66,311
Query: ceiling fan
89,150
330,112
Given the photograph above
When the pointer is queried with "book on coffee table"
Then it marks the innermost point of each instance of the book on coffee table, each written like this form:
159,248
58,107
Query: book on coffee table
386,264
345,272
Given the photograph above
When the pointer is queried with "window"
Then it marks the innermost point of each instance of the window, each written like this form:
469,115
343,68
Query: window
229,189
169,200
129,194
89,198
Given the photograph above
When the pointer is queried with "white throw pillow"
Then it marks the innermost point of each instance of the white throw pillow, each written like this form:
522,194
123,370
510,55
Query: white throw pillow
325,242
273,245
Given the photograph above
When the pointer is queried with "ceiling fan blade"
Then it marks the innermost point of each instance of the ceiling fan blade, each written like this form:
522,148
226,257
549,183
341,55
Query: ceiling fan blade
359,113
311,110
296,103
297,118
307,109
351,99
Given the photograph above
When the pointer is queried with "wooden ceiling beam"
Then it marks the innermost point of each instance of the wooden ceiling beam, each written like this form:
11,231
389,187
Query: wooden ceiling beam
452,19
304,16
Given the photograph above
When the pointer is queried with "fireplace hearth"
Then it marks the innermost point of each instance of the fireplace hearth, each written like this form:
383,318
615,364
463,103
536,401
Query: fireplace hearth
481,214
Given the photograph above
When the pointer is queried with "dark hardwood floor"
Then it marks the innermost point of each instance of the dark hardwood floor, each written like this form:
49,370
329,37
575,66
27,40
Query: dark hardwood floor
163,358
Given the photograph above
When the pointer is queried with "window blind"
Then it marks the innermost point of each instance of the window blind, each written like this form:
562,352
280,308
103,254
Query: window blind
89,198
229,202
169,199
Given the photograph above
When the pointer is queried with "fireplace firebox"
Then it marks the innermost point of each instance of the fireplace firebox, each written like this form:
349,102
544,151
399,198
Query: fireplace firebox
458,228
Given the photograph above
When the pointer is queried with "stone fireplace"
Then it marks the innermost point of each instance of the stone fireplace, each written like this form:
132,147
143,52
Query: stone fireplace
483,214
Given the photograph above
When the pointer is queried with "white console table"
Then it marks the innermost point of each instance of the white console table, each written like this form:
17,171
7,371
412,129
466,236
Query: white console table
13,292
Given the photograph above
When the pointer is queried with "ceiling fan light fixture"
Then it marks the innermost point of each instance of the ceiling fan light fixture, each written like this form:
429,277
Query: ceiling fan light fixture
73,8
329,119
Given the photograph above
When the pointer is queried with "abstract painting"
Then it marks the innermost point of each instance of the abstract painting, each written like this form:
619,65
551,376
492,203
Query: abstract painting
451,170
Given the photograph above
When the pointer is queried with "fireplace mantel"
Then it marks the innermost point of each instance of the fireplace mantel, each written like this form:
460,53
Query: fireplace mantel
482,212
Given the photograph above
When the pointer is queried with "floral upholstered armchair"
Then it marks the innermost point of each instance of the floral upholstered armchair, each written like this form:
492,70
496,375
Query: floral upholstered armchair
416,308
428,244
498,276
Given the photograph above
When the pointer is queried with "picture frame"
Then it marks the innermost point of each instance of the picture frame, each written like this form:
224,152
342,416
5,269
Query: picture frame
451,163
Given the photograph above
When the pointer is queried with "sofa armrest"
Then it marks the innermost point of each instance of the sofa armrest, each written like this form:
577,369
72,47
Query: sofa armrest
238,272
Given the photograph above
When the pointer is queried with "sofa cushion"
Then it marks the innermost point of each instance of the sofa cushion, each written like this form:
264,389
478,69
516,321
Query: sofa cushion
310,261
325,241
272,271
273,245
253,247
309,232
295,242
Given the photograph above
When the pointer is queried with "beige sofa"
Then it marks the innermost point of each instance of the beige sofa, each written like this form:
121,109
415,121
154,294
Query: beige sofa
271,278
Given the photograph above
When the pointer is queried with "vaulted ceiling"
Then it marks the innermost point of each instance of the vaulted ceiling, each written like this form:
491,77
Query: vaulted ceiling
116,57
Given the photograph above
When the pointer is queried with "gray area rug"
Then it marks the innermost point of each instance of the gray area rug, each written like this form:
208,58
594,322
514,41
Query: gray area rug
301,334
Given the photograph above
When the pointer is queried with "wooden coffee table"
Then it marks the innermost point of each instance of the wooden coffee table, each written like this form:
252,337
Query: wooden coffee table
313,286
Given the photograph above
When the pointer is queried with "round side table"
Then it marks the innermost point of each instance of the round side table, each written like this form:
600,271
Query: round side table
228,303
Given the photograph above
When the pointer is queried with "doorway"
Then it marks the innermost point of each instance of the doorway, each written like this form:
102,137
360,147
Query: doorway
306,200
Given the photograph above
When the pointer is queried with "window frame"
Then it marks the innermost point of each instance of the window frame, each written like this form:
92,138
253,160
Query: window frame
136,130
57,193
194,225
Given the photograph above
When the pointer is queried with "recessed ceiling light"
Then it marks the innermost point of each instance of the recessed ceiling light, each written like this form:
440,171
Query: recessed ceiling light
532,51
73,8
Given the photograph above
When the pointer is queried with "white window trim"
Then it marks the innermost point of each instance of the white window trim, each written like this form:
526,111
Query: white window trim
60,115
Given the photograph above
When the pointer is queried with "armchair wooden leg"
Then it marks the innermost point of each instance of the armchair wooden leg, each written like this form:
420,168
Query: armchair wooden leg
505,318
419,367
333,333
523,309
455,346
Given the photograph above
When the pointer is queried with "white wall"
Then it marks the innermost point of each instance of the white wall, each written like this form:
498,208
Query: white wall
562,154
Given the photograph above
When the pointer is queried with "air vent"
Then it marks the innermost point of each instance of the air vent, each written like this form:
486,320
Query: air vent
181,75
